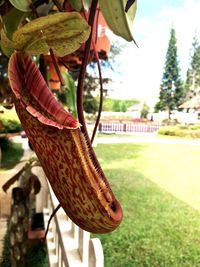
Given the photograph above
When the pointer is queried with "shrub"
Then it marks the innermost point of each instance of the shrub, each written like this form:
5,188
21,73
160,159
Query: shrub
5,143
194,127
181,131
118,105
195,134
168,130
170,121
11,126
11,153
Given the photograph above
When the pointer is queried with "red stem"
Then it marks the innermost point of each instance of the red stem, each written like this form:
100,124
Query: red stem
49,221
83,71
100,79
100,98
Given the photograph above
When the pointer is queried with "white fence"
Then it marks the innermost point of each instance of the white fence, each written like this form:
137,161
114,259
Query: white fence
68,245
110,127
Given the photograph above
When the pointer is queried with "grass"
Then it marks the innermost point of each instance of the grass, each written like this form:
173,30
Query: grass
11,154
158,186
124,135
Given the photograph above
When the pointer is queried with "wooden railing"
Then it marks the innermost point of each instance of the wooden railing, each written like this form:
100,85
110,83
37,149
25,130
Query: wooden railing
113,127
68,245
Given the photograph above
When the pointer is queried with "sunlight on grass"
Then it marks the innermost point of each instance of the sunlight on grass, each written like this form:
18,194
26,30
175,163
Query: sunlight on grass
154,183
174,168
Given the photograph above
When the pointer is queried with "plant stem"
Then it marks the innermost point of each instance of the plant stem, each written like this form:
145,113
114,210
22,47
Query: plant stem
100,98
54,61
51,217
43,67
100,78
83,71
58,5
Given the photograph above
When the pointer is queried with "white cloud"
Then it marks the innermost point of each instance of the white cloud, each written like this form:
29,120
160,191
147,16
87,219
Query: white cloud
143,67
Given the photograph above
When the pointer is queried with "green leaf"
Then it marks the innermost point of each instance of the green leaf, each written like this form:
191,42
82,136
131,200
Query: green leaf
117,19
71,93
76,4
87,4
7,45
9,24
63,32
22,5
11,21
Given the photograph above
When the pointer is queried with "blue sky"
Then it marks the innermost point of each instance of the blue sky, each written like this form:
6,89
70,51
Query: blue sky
150,8
142,68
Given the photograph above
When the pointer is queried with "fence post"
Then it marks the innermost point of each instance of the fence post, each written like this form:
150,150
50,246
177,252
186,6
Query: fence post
124,127
96,258
70,245
100,127
83,245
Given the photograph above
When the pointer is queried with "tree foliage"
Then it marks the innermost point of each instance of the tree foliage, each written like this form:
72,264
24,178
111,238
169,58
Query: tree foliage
172,92
193,73
145,111
118,105
91,86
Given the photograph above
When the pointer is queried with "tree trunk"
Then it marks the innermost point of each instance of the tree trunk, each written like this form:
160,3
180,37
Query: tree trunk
19,227
169,114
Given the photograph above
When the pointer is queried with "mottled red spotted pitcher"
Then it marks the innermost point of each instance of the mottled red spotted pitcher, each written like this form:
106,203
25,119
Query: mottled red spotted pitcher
68,160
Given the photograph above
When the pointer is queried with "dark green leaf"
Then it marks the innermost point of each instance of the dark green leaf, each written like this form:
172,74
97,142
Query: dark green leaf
22,5
11,21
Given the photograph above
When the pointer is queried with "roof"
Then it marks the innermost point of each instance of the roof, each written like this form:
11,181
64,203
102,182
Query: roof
193,103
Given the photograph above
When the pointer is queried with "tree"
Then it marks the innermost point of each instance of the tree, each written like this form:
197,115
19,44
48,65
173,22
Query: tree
145,111
172,92
116,106
90,103
91,85
193,73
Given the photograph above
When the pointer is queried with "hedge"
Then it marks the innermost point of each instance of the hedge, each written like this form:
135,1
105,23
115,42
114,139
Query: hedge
191,131
10,126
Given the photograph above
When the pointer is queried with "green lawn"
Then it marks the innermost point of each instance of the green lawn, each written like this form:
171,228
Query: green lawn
158,186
